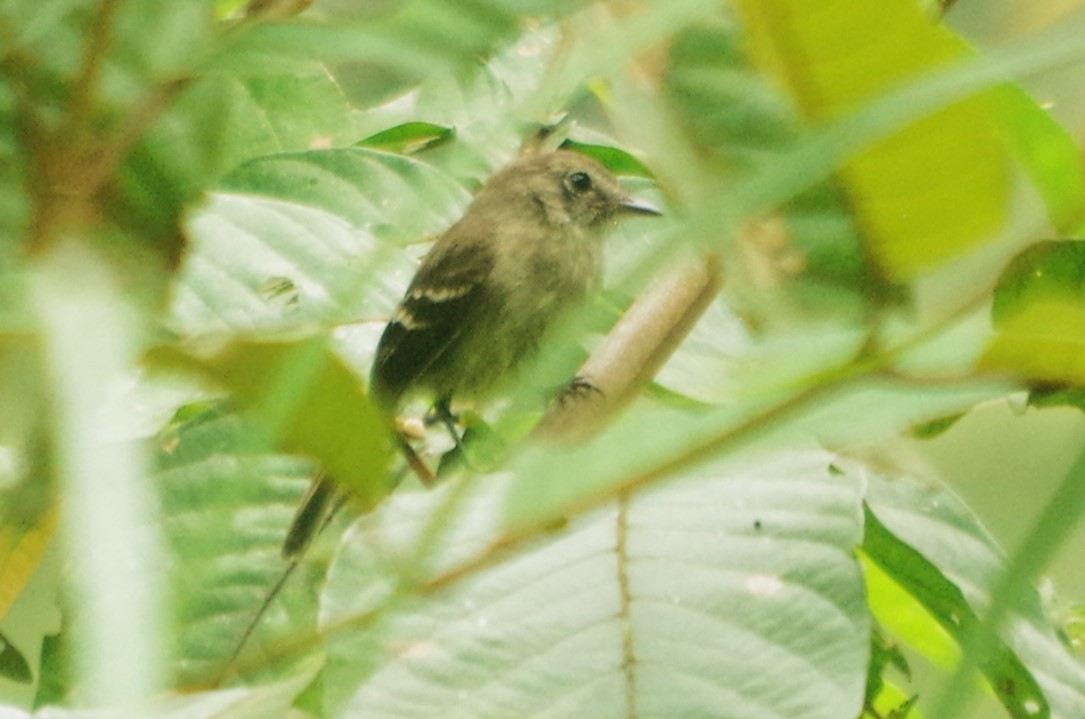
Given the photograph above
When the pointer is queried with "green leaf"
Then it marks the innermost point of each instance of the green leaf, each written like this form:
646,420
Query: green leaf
1039,308
733,588
1057,397
1049,271
226,506
928,193
409,137
902,614
12,664
892,703
303,399
935,548
614,159
1042,343
271,266
935,428
883,655
728,110
399,45
1048,153
395,198
1011,680
239,117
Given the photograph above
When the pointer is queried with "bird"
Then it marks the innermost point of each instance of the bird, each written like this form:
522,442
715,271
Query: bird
527,251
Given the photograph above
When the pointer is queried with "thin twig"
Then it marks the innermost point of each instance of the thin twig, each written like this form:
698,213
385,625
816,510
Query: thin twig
84,90
230,666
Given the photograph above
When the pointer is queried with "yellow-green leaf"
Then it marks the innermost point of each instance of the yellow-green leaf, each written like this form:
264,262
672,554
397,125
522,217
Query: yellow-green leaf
1044,342
21,549
933,190
1052,270
306,401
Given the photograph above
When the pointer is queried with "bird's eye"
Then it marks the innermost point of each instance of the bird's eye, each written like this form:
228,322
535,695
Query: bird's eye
580,182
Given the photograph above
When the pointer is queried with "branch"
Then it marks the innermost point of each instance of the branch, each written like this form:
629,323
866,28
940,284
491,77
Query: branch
85,88
650,331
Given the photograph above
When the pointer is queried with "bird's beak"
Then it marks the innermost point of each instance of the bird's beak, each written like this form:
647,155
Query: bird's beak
639,207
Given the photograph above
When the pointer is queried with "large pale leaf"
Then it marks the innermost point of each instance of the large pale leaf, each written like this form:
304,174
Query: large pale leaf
393,197
266,265
729,593
303,239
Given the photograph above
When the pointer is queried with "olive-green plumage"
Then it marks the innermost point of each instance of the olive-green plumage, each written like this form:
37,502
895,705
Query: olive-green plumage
527,251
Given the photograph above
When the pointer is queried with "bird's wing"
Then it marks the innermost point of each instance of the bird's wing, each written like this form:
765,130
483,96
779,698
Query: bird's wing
439,307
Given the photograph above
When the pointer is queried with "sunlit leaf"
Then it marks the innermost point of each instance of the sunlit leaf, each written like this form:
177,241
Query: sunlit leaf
1039,307
21,549
933,190
883,655
1043,343
893,703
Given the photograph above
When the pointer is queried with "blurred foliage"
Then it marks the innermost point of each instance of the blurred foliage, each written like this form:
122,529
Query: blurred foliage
209,209
1039,304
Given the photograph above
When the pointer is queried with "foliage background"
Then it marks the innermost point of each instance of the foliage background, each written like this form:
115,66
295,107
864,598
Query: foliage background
206,217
